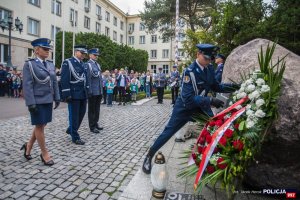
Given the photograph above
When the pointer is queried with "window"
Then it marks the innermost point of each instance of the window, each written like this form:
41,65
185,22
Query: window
115,36
107,31
153,68
165,53
180,53
87,5
181,37
142,27
30,53
56,7
142,39
4,13
35,2
121,25
115,21
86,22
76,1
121,38
153,38
73,17
98,27
131,40
166,69
131,27
153,54
54,31
107,16
3,53
98,10
33,27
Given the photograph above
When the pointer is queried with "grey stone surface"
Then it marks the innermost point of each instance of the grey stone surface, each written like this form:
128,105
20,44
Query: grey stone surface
281,152
106,162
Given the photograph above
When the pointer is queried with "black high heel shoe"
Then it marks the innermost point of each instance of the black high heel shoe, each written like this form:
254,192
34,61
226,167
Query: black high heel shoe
49,163
28,157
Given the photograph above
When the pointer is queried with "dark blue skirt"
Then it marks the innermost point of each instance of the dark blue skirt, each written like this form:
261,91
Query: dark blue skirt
43,114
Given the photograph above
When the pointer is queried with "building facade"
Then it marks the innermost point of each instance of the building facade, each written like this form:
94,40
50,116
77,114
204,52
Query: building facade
44,18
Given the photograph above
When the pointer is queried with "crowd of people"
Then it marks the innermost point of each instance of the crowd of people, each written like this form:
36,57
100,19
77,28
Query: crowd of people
10,83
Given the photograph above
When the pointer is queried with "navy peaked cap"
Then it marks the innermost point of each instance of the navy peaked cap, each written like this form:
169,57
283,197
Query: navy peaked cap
82,48
94,51
42,42
221,56
208,50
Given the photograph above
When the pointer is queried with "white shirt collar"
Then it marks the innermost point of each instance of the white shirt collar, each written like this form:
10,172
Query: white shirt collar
41,60
200,66
76,59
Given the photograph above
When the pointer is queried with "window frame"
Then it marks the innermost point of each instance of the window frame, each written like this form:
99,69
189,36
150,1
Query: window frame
38,28
88,22
130,43
107,16
98,24
59,10
151,54
142,36
152,39
37,5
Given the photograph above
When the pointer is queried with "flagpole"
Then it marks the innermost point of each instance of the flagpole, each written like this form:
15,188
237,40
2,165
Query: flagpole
54,33
74,28
177,32
63,38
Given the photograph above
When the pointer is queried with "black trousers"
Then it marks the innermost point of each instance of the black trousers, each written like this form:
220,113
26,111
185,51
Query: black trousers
122,94
2,89
160,94
94,111
115,93
174,91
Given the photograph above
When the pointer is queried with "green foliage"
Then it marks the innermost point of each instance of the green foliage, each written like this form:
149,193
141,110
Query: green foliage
160,15
112,55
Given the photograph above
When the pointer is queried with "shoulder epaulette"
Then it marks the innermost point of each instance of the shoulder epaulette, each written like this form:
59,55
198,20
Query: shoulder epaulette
29,59
50,61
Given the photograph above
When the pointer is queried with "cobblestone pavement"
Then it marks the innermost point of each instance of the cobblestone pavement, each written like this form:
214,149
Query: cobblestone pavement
98,170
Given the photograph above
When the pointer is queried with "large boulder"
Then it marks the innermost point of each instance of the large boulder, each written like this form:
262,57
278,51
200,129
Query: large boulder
278,166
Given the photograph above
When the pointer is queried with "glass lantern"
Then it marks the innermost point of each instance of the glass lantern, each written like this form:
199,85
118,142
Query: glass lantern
159,176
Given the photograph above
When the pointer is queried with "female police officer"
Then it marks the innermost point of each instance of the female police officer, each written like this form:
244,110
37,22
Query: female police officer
40,90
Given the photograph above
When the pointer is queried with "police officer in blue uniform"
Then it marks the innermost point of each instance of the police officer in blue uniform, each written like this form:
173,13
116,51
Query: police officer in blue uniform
3,81
95,90
198,79
75,88
160,80
174,83
219,60
40,90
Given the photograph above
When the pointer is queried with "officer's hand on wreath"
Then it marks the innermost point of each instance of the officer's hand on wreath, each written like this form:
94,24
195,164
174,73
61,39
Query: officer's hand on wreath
216,102
56,104
32,108
68,99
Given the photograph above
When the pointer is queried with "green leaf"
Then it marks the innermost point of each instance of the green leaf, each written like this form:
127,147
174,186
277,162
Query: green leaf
242,125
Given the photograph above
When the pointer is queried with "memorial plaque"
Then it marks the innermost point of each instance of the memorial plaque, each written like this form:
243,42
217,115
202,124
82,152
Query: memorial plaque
182,196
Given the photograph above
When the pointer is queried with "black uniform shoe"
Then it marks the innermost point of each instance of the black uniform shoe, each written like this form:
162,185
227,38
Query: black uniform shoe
68,131
99,128
95,130
79,142
147,165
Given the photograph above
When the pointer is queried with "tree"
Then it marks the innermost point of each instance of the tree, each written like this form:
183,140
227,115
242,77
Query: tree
160,15
111,56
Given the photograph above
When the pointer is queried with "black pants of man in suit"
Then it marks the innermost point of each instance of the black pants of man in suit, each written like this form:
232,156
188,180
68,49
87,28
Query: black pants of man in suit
94,111
160,94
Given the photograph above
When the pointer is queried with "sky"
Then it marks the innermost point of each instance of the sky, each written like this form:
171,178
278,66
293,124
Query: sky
130,6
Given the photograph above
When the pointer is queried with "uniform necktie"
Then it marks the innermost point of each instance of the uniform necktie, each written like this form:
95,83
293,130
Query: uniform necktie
205,71
45,64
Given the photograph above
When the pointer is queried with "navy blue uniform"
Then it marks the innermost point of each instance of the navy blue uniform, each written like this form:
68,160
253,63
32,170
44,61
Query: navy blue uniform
3,82
75,87
193,100
219,72
174,83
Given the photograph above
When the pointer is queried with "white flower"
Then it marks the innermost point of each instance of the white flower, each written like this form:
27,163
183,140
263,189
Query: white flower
260,114
238,107
234,98
249,112
250,124
241,95
248,107
242,89
265,88
259,102
249,81
254,95
260,82
243,85
230,103
250,88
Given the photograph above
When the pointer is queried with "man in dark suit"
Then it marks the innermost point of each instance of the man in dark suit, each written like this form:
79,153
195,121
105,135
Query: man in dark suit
198,79
95,90
74,90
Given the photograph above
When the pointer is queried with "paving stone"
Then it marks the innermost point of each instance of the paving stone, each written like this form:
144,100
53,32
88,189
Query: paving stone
5,195
56,191
62,195
17,194
84,194
103,196
92,197
72,195
102,186
110,189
